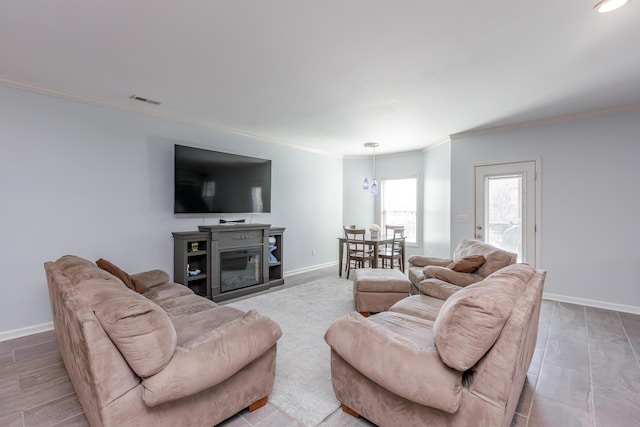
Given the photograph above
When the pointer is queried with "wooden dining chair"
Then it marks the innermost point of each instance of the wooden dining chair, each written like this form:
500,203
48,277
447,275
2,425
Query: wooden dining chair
392,253
358,253
389,230
353,226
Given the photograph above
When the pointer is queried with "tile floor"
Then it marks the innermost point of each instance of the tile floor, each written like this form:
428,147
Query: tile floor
585,372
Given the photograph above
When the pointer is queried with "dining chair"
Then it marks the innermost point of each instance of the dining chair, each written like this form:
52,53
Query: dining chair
390,229
353,226
393,251
358,253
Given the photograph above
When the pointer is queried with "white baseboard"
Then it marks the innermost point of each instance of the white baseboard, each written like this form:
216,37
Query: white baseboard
593,303
28,330
308,269
43,327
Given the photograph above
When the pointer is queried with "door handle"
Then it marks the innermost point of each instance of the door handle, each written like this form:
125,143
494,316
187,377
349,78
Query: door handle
478,236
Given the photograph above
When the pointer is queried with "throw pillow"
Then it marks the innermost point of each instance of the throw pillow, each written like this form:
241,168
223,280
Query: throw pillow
113,269
467,264
140,329
471,320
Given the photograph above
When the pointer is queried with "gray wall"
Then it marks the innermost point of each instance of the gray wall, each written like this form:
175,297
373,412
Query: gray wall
358,205
589,180
437,201
98,182
361,207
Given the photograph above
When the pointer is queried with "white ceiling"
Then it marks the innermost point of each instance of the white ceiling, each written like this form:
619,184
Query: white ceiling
330,74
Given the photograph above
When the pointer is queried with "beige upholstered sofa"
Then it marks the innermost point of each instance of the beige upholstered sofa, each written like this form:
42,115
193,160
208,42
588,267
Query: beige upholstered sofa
158,355
461,363
445,276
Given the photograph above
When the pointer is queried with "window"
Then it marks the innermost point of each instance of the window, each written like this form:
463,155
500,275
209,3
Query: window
398,198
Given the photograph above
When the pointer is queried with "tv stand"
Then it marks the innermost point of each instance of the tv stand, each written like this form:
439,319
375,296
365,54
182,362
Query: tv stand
233,259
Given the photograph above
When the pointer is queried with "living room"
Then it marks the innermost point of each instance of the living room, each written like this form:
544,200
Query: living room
104,189
96,180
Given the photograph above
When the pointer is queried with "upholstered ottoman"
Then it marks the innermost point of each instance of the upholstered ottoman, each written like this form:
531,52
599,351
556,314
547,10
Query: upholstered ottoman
377,289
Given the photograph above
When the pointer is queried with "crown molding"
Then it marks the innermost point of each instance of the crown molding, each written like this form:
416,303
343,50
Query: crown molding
549,121
380,156
437,144
77,97
72,96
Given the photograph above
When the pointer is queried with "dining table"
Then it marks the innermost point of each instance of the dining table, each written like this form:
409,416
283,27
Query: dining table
374,242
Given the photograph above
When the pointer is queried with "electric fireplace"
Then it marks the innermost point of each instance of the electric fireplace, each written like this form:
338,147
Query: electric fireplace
240,268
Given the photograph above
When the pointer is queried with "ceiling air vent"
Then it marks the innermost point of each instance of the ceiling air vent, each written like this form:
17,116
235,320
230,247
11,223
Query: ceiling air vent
147,100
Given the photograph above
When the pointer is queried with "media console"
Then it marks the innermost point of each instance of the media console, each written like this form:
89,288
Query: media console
229,260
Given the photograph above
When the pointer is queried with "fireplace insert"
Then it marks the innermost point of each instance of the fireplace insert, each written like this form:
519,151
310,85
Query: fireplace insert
240,268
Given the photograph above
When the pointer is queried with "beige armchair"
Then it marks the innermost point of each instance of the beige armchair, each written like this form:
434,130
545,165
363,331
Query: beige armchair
465,366
472,262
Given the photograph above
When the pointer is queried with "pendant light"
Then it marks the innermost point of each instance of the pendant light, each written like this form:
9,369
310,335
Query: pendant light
373,186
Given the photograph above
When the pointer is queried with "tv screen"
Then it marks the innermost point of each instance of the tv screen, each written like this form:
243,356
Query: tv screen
208,181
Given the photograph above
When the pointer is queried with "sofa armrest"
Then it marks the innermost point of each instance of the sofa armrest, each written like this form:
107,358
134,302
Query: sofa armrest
148,279
438,288
448,275
423,261
410,371
211,358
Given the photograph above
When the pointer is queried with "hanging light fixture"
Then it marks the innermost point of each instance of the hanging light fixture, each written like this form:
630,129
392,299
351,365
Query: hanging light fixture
604,6
373,186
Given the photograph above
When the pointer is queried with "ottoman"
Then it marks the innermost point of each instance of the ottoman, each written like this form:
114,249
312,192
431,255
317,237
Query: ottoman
377,289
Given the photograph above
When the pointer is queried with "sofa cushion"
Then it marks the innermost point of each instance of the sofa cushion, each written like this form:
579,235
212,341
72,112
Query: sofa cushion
438,288
147,280
78,270
199,323
448,275
209,359
495,258
467,264
423,261
397,352
165,292
422,306
140,329
471,320
416,274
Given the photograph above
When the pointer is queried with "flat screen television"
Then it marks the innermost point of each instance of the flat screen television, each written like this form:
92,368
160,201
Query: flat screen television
208,181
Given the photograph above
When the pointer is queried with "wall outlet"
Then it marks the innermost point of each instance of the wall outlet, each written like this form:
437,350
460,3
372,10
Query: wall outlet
313,252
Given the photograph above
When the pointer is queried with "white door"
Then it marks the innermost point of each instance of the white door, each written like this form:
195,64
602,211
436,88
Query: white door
506,211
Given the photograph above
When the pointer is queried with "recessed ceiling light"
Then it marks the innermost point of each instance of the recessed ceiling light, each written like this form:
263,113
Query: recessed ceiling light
604,6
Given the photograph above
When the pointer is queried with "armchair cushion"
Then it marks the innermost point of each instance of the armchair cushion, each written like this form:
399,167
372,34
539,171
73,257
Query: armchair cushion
140,329
423,261
211,358
403,365
471,320
438,288
467,264
448,275
495,258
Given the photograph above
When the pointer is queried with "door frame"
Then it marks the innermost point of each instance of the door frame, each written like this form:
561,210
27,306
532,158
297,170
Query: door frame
537,161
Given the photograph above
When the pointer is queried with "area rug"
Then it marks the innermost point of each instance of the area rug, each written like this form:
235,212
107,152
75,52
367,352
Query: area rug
302,387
